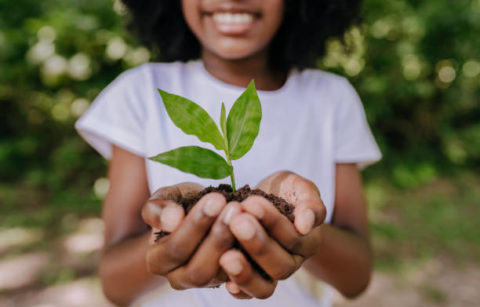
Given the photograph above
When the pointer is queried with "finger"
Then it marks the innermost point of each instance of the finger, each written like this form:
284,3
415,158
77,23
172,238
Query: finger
176,248
163,215
175,192
277,225
235,291
266,252
281,229
307,215
203,268
241,273
162,211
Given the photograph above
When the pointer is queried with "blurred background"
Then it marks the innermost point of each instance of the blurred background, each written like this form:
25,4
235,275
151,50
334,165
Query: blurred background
416,65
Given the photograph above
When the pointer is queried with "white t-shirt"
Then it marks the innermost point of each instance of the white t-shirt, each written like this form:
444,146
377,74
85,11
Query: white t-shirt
312,122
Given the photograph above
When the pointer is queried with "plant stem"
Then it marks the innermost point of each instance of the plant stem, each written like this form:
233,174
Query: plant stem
229,161
232,177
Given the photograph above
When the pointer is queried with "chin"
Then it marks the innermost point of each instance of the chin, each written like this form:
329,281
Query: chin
234,51
234,54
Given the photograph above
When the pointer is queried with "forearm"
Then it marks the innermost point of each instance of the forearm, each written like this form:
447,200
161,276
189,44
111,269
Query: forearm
123,270
344,261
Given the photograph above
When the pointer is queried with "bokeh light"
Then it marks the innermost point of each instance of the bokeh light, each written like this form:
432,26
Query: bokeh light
101,187
471,69
116,48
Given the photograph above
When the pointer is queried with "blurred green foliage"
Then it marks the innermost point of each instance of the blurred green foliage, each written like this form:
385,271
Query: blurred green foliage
416,65
56,56
437,220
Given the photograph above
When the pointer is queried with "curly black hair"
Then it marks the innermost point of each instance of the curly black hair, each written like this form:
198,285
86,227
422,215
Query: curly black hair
300,41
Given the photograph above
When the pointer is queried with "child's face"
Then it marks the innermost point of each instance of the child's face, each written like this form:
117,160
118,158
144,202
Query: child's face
233,29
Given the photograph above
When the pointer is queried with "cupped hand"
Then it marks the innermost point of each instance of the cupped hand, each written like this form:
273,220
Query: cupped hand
189,256
271,240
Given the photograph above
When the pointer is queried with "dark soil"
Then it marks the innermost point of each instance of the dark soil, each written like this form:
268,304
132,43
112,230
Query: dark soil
241,194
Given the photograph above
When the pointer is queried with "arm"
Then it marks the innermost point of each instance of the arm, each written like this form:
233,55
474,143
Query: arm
126,235
187,257
345,257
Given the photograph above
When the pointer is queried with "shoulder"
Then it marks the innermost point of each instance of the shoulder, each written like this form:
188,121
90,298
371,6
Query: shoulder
136,88
319,78
168,76
141,83
330,88
152,72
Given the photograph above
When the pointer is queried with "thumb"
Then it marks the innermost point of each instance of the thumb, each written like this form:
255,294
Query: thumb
307,215
164,215
162,211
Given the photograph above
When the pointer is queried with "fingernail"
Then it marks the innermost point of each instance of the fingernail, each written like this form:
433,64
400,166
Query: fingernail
307,219
212,207
233,288
233,267
154,208
170,218
243,230
255,209
230,212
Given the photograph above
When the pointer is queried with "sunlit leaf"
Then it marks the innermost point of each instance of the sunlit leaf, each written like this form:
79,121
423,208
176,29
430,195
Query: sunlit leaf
192,119
196,160
243,122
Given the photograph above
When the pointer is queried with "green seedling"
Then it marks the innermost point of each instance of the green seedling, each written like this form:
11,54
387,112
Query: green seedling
235,137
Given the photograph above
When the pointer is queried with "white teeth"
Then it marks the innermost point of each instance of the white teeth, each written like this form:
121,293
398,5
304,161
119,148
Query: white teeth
237,18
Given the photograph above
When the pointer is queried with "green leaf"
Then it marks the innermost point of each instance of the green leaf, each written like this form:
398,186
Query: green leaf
192,119
196,160
223,120
243,122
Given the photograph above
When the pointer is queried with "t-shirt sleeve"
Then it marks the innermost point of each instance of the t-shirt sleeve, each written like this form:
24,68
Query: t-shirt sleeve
116,117
354,142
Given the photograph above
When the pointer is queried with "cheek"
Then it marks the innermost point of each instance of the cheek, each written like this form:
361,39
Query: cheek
274,12
192,15
232,49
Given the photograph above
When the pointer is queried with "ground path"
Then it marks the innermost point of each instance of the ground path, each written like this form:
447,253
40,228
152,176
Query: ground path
65,276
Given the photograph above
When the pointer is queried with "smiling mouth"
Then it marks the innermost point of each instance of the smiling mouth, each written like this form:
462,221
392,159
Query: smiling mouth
233,18
233,23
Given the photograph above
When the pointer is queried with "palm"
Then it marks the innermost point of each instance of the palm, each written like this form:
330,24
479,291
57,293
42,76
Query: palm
291,187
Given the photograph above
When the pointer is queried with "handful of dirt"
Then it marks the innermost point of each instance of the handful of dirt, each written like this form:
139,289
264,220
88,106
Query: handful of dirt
240,195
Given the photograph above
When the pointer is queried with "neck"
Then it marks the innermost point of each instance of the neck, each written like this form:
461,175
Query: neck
241,72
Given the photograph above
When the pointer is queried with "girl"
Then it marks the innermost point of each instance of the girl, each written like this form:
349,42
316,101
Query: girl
313,124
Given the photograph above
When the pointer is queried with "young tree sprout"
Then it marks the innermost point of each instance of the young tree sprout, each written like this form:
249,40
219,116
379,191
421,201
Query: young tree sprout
235,137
